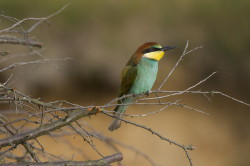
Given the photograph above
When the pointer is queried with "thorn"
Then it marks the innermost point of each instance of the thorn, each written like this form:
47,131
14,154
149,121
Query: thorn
190,147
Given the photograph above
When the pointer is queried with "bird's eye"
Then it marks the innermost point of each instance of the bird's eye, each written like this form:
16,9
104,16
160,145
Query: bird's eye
151,49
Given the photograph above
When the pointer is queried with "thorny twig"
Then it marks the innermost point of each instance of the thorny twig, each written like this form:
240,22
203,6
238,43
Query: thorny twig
39,21
185,52
101,162
32,62
6,39
185,148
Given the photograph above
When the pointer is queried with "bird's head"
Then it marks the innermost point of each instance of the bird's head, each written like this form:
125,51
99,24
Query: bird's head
150,50
153,50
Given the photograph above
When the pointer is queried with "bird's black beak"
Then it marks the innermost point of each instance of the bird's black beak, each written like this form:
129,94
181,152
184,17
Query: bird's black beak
167,48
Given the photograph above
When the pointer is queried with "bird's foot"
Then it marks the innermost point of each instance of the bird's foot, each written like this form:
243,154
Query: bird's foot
146,93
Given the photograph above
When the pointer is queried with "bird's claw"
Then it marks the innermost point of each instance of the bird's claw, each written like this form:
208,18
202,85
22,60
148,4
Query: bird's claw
146,93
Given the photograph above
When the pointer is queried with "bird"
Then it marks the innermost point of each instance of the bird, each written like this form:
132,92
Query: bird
138,77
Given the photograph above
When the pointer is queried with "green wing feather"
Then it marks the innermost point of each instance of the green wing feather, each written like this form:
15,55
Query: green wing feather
129,75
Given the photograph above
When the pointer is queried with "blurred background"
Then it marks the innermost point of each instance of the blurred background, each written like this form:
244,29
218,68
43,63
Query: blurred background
101,36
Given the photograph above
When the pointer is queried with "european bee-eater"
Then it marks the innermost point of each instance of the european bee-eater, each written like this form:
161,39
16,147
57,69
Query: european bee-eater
138,76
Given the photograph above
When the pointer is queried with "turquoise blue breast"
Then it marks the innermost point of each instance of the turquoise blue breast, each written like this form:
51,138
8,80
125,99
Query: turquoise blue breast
147,73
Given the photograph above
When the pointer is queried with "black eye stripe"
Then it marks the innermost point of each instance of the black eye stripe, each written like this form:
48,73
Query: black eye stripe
151,49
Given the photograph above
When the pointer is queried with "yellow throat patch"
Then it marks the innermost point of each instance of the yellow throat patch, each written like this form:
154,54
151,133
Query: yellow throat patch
156,55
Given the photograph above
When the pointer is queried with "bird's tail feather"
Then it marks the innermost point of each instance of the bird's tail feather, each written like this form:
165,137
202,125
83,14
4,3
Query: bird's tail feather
116,123
119,111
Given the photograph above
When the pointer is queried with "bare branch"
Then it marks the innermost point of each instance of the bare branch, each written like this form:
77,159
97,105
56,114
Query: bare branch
185,148
101,162
19,55
181,92
40,20
7,81
89,140
172,93
177,63
47,18
43,130
14,40
32,62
